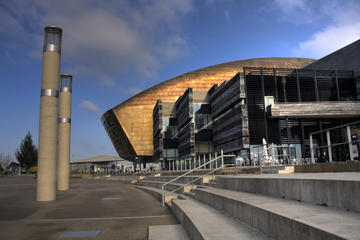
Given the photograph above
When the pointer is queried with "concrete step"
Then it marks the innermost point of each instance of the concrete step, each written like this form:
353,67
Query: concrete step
341,190
165,232
203,222
168,187
185,179
156,192
123,179
277,169
283,219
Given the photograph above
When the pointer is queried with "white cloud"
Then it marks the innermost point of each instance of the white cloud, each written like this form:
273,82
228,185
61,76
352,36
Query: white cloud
343,30
227,15
290,6
8,25
294,11
105,38
329,40
89,107
134,91
106,81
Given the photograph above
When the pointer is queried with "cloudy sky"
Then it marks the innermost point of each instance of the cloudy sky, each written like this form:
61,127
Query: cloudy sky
117,48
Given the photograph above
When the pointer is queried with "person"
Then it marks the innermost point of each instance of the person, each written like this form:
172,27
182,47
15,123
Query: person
239,161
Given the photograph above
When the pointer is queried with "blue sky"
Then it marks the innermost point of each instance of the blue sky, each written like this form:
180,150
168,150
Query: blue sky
117,48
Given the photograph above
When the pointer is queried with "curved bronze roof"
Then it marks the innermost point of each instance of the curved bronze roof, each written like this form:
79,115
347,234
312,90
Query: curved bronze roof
134,116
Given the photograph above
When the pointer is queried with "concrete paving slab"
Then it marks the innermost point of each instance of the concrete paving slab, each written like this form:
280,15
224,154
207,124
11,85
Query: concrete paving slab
81,234
165,232
79,209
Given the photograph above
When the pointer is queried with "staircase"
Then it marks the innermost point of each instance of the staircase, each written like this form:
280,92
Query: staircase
270,206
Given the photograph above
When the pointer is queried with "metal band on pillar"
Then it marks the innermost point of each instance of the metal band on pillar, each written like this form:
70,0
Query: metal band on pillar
49,93
64,120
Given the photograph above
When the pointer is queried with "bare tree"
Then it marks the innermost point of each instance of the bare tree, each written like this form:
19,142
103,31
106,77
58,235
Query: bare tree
5,160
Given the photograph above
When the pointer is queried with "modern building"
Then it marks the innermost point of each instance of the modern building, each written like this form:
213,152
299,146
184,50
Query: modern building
130,124
235,106
101,164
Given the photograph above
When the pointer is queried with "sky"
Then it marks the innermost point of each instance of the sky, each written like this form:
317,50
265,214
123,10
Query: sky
116,48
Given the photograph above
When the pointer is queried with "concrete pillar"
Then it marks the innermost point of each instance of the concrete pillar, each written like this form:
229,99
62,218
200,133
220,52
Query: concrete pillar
46,181
64,126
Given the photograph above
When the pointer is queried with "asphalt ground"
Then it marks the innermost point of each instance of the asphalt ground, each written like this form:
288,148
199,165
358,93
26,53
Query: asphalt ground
117,210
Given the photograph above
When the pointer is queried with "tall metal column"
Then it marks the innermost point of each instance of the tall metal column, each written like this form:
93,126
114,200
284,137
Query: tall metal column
46,181
64,131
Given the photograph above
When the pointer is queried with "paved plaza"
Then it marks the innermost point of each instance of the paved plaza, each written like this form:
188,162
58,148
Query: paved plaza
118,211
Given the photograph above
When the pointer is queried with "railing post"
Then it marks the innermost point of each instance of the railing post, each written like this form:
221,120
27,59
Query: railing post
235,166
162,195
312,149
216,160
350,143
173,165
210,161
222,158
204,161
199,160
329,145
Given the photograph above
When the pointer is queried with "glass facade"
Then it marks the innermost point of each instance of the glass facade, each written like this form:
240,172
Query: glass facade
170,138
236,116
203,128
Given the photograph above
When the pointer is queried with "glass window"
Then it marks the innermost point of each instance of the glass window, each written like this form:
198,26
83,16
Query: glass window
203,121
171,153
169,127
204,147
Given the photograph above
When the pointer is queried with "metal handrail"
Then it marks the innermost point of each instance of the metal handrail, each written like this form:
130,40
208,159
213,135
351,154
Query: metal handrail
194,180
191,171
